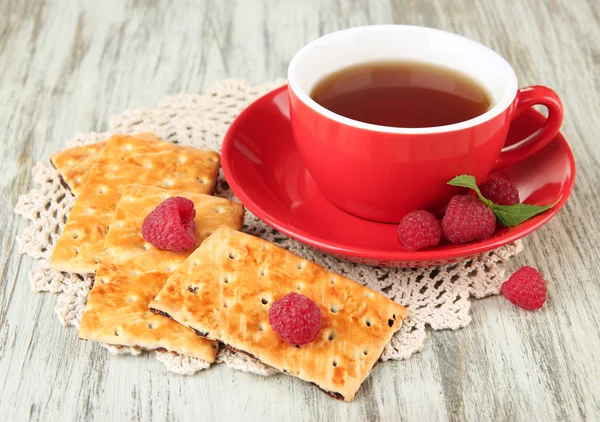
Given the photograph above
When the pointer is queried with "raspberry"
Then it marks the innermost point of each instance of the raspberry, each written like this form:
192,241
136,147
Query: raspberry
419,229
500,191
526,288
295,318
468,219
171,225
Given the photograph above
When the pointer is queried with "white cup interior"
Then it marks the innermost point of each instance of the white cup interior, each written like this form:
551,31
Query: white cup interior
365,44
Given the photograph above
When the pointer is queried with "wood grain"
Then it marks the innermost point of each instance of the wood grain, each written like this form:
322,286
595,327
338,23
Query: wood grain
67,66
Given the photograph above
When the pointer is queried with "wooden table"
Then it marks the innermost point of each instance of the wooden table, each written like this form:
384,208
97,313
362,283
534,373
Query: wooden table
66,66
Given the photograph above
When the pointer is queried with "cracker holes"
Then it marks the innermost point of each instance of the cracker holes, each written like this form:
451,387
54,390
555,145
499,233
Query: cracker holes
203,181
226,279
192,289
101,190
263,272
334,309
75,236
332,280
261,327
131,299
104,280
76,250
181,159
117,333
392,320
168,182
120,224
331,336
231,255
171,268
196,263
301,265
146,246
264,300
334,363
78,180
219,210
152,325
225,304
299,286
368,322
366,352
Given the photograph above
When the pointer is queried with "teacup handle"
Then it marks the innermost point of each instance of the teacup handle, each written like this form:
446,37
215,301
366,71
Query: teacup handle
528,97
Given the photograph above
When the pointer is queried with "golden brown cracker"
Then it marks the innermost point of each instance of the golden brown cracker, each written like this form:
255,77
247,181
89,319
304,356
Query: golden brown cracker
142,159
132,272
224,291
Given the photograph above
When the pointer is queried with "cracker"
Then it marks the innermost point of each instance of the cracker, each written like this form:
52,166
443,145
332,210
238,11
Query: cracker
224,291
127,159
74,164
132,272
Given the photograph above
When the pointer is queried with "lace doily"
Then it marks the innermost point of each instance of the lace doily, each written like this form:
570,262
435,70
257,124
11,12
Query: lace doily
438,297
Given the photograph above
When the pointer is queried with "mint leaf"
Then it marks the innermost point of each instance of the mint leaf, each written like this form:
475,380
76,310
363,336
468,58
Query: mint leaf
507,215
511,215
468,181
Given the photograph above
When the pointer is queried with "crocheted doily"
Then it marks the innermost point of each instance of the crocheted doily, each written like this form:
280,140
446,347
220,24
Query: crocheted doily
437,297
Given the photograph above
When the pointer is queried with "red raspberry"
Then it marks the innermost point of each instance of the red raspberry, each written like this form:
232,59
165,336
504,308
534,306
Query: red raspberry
500,191
419,229
526,288
295,318
171,225
468,219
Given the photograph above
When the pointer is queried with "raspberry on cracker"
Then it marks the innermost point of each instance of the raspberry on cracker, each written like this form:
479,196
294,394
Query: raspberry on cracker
295,318
171,226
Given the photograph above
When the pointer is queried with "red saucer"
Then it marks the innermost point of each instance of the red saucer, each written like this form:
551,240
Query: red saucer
263,168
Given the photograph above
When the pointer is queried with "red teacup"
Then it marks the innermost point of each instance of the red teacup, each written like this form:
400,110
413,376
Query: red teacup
381,173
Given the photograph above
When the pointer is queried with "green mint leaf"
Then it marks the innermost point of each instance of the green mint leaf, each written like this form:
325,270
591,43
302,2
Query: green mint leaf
507,215
468,181
511,215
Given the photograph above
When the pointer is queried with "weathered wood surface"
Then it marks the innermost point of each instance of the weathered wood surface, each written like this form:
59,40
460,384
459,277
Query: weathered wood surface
65,66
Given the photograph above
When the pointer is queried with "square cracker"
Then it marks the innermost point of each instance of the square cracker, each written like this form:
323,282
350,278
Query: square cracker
132,272
140,159
224,291
74,164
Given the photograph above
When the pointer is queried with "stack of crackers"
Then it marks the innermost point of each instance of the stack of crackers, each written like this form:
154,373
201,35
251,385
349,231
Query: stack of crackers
188,302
